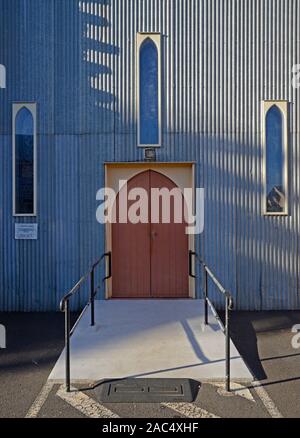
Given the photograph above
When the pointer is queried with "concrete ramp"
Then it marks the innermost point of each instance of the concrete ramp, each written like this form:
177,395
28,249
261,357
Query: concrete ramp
149,338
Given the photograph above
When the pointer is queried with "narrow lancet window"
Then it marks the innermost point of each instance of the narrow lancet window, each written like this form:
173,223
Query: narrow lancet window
276,187
149,94
24,162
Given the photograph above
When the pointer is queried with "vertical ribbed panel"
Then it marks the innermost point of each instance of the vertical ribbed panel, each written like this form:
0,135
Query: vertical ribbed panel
220,59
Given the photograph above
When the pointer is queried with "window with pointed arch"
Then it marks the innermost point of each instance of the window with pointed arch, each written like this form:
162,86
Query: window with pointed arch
149,90
276,158
24,159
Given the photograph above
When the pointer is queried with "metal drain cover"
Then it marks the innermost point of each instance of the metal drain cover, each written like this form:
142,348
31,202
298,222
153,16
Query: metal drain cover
147,390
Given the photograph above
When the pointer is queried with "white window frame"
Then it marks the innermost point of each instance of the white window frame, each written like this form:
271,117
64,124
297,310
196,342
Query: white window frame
282,105
31,106
156,38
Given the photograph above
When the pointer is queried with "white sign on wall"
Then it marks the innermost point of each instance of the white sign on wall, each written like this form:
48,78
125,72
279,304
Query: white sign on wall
26,231
2,76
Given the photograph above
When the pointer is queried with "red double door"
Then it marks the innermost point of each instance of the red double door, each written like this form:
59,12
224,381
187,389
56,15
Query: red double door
150,260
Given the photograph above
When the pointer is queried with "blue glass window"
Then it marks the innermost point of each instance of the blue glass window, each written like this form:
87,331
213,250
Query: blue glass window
275,181
24,162
149,112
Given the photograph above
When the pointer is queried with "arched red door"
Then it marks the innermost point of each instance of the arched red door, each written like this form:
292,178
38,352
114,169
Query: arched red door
150,260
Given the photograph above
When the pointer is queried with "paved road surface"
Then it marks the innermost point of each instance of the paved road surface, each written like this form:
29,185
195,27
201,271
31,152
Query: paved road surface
34,342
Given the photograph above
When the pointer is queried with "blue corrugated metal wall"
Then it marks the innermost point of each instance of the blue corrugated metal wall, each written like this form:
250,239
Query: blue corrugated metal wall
76,59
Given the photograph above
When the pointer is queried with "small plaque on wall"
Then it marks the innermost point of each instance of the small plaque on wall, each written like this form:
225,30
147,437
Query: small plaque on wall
26,231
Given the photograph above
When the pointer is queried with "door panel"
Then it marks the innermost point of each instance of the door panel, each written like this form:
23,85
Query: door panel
131,252
150,260
169,251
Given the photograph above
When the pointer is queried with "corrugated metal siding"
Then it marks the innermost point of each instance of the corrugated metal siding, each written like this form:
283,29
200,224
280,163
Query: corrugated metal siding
220,59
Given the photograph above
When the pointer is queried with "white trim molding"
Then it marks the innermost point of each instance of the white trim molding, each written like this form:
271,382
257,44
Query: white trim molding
31,106
156,39
282,105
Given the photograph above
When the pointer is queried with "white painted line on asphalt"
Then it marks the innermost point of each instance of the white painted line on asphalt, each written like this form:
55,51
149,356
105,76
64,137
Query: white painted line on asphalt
40,400
266,400
189,410
236,390
84,404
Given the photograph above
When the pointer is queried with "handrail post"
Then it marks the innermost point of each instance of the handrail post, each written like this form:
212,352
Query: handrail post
227,340
67,345
65,307
92,296
206,296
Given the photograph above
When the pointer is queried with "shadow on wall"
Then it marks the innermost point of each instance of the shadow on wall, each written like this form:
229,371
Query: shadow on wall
85,59
98,79
98,118
253,256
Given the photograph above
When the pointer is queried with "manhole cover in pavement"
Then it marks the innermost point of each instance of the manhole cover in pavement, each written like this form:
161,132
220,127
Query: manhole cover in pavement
147,390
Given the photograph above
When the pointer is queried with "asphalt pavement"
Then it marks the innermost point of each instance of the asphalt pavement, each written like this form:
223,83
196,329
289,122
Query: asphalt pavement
35,340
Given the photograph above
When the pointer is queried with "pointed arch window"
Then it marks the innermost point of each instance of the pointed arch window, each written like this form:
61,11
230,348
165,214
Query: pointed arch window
24,159
149,90
276,163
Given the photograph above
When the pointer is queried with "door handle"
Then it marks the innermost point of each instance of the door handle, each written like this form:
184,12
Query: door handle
153,234
108,276
191,255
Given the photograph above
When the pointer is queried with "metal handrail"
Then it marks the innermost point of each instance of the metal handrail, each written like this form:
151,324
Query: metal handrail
65,307
228,307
